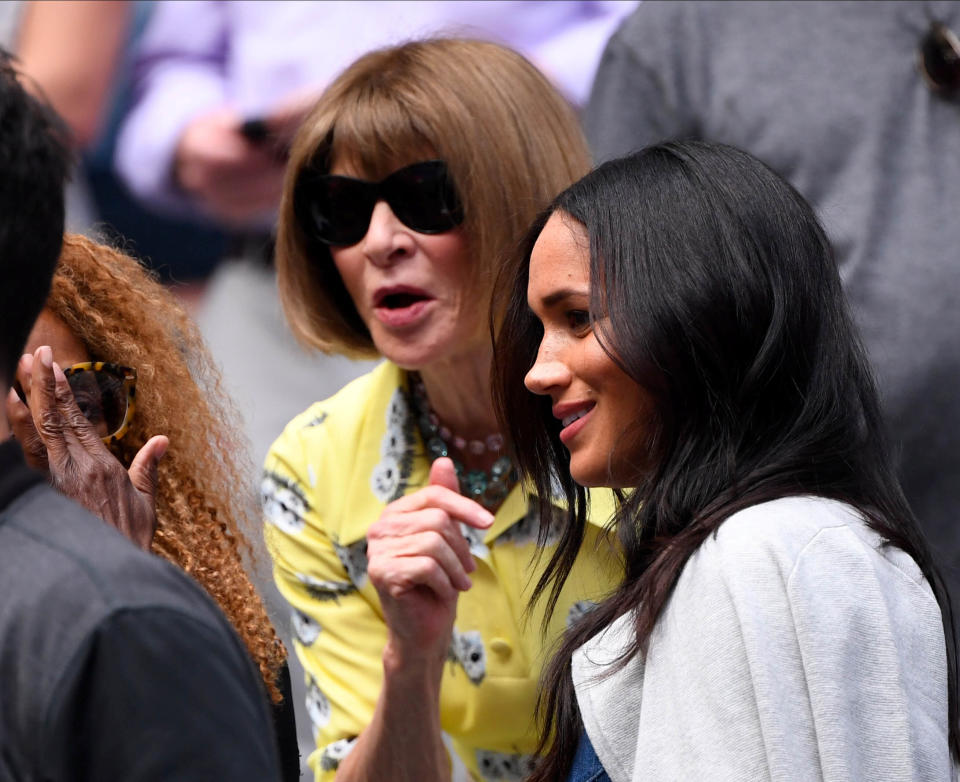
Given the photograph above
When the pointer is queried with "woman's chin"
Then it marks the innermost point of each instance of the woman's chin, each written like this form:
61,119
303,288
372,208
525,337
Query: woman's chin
416,354
589,476
600,476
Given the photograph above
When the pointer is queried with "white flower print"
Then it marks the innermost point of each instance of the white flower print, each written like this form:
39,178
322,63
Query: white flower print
322,590
398,410
335,752
504,766
306,629
385,479
318,706
315,421
354,560
388,479
527,530
467,651
284,503
474,538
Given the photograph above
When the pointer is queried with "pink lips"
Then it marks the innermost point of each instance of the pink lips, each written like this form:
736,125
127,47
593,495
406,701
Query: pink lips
400,306
565,411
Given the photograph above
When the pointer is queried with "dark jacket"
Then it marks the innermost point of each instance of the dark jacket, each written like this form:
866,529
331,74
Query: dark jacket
113,664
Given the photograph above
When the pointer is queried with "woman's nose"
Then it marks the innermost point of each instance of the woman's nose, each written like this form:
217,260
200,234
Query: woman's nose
387,239
548,373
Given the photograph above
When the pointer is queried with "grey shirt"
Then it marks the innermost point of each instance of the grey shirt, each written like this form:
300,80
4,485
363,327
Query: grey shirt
113,664
794,647
829,95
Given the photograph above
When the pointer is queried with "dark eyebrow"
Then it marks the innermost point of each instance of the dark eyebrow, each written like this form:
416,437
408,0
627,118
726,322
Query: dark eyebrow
561,294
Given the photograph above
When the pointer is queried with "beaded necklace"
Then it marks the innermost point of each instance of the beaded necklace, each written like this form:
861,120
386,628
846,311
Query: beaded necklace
487,488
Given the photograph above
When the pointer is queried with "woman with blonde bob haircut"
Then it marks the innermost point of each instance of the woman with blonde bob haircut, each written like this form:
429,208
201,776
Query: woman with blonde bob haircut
412,178
508,139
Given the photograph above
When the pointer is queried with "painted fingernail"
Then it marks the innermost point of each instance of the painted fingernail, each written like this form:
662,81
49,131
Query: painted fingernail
58,373
46,356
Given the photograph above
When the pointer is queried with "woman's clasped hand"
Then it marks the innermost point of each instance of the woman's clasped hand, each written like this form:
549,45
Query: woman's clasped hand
419,561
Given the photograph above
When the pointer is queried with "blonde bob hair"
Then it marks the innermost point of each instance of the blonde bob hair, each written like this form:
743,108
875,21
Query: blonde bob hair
509,139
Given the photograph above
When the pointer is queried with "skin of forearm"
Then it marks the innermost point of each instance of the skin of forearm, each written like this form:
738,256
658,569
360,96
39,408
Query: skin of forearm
403,740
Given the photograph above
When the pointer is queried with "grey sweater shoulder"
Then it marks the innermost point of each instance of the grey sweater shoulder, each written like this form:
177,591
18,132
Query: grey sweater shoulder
794,647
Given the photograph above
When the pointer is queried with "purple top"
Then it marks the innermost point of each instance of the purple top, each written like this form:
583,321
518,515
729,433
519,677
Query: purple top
198,56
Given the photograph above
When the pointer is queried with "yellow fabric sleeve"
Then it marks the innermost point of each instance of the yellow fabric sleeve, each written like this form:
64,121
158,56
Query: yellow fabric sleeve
339,633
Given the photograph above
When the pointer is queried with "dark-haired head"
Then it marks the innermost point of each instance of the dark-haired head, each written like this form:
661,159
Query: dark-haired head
712,287
34,162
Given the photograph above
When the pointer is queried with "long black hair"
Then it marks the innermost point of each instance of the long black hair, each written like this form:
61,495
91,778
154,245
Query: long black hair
722,300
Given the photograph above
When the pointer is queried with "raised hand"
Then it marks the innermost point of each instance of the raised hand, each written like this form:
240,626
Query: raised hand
419,562
57,437
235,179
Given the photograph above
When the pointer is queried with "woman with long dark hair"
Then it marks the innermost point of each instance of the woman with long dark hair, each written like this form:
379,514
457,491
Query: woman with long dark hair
678,317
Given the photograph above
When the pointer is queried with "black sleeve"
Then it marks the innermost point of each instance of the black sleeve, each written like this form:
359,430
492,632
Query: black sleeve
158,694
285,727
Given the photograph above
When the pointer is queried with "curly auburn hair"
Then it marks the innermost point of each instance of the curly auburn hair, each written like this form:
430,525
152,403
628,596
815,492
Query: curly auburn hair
121,314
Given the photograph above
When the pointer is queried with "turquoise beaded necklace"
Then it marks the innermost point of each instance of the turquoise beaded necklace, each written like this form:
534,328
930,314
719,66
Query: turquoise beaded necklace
489,488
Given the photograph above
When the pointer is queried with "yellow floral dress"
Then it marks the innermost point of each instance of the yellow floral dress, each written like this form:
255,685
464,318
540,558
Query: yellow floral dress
326,480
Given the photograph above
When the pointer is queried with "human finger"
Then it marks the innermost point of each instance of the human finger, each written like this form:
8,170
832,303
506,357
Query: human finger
435,545
95,477
25,432
401,575
78,431
455,504
24,370
400,525
143,470
43,406
443,473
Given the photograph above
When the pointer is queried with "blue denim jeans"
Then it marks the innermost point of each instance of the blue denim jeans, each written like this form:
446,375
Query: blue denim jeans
586,764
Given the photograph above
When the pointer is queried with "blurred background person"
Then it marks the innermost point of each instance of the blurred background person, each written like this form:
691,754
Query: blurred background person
141,374
78,54
857,104
71,53
408,185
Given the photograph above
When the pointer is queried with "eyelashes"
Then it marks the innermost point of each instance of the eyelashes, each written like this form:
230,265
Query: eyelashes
578,321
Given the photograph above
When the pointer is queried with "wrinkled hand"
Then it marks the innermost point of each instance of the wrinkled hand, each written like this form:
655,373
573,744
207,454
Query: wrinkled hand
57,438
418,560
235,178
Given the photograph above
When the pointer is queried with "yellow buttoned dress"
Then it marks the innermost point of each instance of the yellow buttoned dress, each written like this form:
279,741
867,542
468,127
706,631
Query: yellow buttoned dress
327,478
